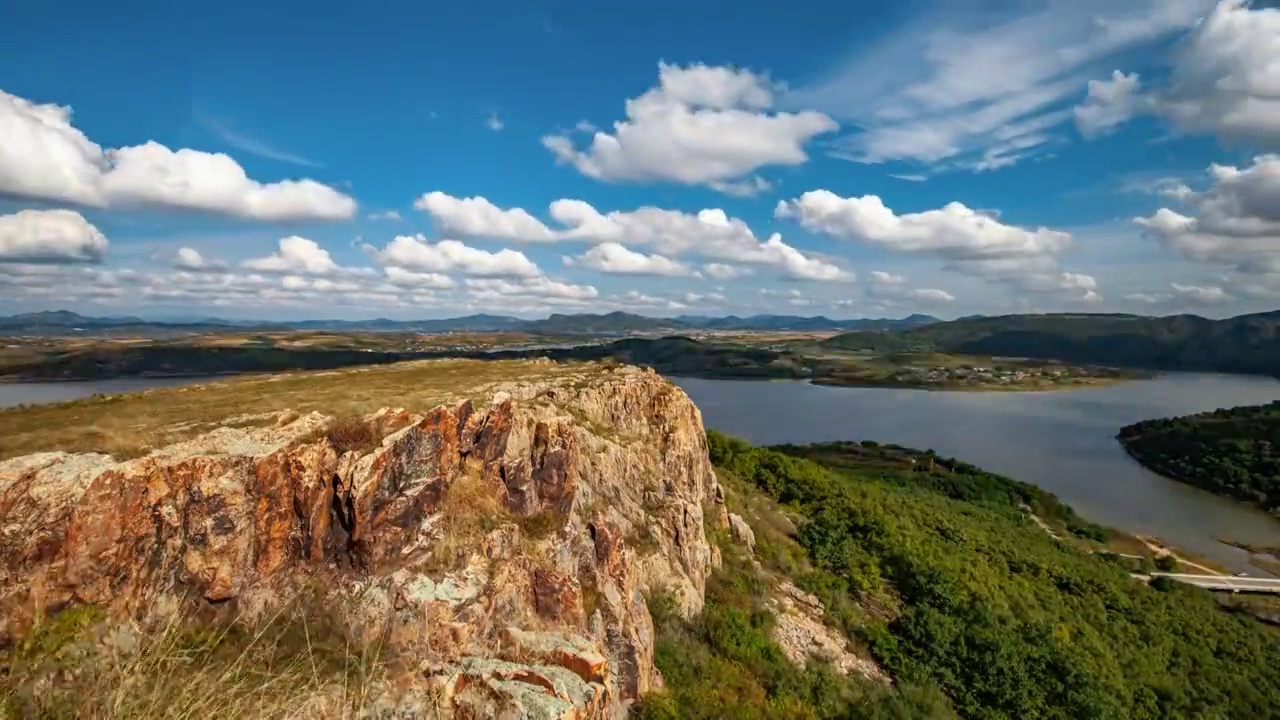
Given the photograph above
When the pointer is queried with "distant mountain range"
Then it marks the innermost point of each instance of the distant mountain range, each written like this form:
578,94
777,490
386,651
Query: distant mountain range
1243,344
61,322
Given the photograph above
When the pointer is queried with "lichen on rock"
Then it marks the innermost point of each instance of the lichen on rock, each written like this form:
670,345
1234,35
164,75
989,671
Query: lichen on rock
490,540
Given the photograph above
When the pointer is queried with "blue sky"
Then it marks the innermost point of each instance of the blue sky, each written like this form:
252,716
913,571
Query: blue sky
425,160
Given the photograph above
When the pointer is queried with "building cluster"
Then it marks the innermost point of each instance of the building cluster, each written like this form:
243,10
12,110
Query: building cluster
970,375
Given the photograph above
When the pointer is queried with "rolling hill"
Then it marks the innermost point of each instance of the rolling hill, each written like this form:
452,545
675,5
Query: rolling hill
1244,344
62,322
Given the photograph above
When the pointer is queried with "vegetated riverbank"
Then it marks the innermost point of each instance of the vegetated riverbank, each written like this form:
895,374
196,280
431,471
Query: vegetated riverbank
1231,452
938,572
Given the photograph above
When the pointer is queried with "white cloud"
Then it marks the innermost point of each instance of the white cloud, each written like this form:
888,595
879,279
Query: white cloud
1108,104
540,287
416,253
296,255
888,286
494,122
722,271
954,232
50,236
191,260
879,277
477,217
44,157
1224,79
386,215
966,88
1147,298
969,241
702,125
932,296
408,278
710,233
611,257
1202,294
1235,222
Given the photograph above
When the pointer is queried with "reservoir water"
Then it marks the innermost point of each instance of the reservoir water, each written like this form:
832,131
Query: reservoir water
35,393
1063,441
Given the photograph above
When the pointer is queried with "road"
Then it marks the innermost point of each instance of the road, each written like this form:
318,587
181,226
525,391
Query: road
1223,582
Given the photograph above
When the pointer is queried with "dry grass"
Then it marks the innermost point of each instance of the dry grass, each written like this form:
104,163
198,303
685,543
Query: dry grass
296,664
353,434
127,425
470,509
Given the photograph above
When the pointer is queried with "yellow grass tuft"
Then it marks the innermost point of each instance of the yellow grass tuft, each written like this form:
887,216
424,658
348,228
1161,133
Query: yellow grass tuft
297,663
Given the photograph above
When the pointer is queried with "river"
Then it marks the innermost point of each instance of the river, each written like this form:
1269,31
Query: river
1063,441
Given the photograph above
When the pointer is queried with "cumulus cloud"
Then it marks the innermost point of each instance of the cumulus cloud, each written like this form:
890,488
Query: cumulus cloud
969,241
540,287
1109,103
416,253
50,236
611,257
974,87
129,288
44,157
191,260
477,217
954,232
386,215
888,286
295,255
494,122
701,125
1224,79
711,233
407,278
723,271
1234,222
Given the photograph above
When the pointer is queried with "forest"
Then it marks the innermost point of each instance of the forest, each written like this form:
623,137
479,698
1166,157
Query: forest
936,570
1233,452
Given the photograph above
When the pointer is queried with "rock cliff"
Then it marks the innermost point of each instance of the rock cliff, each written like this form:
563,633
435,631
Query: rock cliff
507,545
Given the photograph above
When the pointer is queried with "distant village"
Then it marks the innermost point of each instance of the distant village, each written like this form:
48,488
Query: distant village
976,375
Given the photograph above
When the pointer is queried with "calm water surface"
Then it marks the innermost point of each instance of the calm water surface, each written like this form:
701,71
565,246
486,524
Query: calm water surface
1062,441
33,393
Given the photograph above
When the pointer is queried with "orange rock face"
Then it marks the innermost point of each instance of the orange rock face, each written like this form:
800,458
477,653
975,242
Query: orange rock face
241,518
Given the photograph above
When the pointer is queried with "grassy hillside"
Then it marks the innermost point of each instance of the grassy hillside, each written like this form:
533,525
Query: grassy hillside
940,573
1246,344
1232,452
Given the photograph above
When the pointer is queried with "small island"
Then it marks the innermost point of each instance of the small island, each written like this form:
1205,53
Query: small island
1232,452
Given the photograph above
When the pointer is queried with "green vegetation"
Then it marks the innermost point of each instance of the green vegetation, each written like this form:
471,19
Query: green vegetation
1244,344
1233,452
724,664
939,571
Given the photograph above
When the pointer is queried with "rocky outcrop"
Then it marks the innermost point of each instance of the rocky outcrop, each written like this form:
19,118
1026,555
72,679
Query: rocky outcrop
801,633
742,532
497,542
